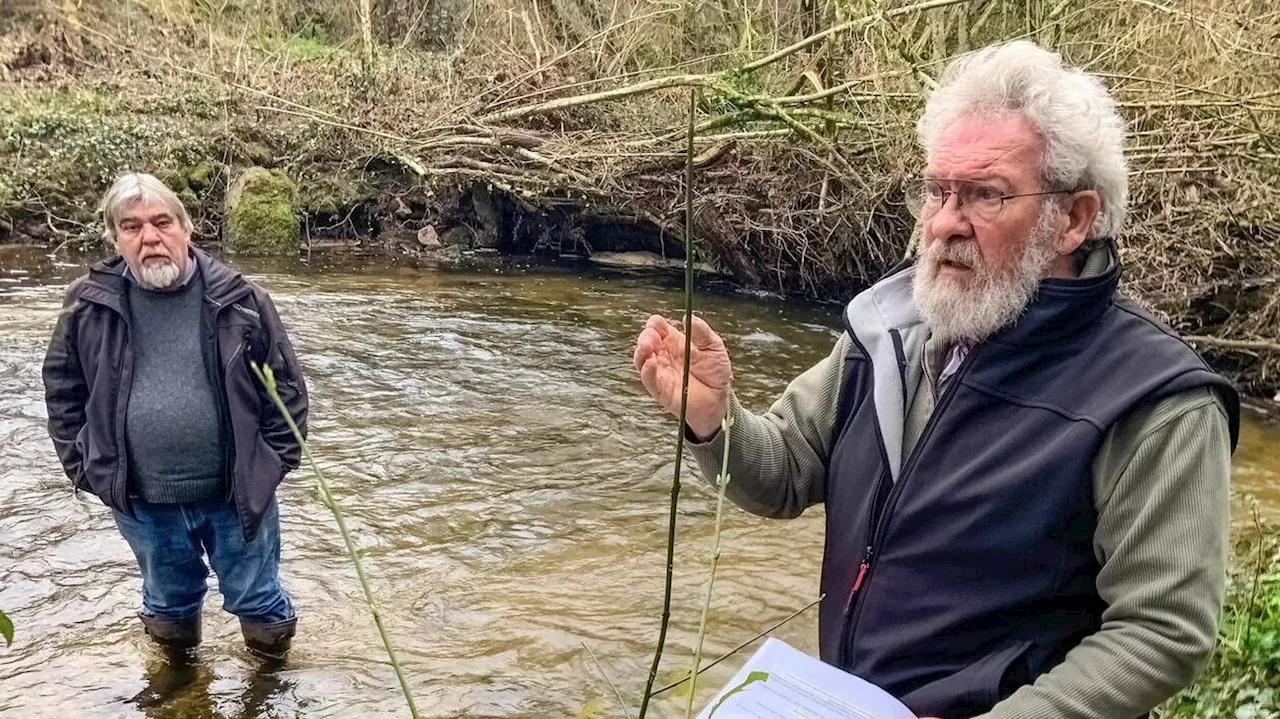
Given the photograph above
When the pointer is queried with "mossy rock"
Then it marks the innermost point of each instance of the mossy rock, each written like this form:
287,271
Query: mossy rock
256,153
200,176
262,214
333,192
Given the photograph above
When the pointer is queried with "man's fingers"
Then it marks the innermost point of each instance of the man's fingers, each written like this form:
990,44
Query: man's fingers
646,345
703,336
651,378
658,324
649,374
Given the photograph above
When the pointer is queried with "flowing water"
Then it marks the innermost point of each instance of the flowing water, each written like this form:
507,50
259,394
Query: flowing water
506,480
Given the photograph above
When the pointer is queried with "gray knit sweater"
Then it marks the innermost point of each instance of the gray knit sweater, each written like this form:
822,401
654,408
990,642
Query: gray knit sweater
172,427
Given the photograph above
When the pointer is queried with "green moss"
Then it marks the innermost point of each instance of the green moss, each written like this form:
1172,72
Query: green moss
333,193
262,216
8,197
201,175
66,148
309,48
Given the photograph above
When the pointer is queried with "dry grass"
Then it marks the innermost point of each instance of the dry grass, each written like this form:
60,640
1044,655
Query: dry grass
576,104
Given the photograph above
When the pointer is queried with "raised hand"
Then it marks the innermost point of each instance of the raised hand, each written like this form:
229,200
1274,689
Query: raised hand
659,358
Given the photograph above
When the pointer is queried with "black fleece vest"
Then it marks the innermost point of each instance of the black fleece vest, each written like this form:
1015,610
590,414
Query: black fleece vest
975,571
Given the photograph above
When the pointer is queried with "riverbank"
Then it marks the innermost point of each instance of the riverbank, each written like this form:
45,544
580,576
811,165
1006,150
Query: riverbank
557,130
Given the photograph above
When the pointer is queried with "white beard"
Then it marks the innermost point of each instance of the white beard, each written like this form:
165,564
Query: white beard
992,299
158,275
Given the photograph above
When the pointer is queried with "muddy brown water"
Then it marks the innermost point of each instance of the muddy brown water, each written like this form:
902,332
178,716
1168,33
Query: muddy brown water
505,477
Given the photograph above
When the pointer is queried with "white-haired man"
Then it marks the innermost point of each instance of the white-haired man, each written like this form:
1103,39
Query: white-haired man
1025,475
154,409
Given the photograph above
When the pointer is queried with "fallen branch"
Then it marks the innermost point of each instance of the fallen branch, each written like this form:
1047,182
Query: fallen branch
846,27
1242,345
491,140
315,118
708,79
662,83
804,130
550,164
836,90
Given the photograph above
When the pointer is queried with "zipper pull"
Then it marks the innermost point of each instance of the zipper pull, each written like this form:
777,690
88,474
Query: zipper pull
862,574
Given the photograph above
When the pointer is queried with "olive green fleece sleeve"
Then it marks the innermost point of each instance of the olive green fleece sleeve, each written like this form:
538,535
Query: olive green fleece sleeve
1161,488
778,460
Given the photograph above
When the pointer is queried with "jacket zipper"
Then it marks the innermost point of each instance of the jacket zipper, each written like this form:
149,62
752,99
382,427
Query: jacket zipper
863,568
216,371
121,484
868,554
901,354
881,513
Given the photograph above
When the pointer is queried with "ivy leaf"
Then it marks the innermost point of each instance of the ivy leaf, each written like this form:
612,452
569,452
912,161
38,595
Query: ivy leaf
6,629
752,678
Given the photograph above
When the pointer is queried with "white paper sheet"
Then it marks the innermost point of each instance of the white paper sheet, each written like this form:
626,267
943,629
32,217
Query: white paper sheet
781,682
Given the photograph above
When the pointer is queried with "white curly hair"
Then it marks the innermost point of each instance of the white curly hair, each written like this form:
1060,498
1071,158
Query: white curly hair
1074,114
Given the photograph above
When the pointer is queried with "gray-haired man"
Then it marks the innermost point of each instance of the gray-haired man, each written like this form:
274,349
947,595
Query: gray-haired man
1024,474
153,408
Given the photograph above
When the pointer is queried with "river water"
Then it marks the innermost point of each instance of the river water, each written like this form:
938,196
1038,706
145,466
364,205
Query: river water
507,482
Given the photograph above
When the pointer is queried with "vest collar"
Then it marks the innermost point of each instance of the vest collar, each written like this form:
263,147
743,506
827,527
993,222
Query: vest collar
1062,307
884,321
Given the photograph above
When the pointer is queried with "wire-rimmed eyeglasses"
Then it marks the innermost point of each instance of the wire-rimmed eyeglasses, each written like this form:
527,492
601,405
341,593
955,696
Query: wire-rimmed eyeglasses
980,200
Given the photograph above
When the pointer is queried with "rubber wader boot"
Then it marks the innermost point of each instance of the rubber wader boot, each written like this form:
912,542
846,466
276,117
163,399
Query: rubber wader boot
173,634
269,640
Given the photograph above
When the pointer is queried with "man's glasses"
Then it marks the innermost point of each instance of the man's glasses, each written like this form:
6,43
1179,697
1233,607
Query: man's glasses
980,201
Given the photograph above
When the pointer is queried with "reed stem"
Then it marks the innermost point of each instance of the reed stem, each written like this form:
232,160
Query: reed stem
722,481
268,380
684,402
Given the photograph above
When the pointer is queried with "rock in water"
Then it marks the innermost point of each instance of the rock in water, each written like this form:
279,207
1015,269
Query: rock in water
262,214
428,238
631,260
642,260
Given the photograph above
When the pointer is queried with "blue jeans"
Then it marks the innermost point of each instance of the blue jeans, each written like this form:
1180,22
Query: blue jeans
169,539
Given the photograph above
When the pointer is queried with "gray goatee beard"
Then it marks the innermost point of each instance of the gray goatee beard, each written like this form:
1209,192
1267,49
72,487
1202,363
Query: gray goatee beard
158,275
993,299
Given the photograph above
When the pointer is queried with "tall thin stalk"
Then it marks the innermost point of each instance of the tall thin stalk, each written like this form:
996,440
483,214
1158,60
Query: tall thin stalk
684,402
722,481
366,39
268,380
1253,587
